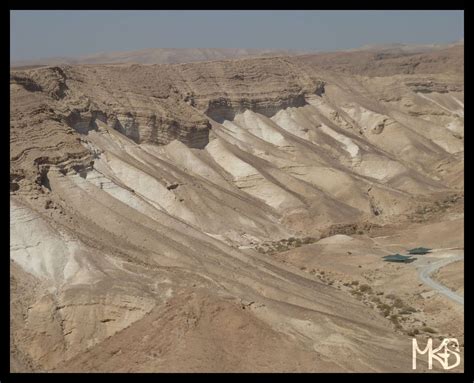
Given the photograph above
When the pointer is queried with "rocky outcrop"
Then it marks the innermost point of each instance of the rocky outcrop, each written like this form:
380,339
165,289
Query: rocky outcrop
227,108
157,104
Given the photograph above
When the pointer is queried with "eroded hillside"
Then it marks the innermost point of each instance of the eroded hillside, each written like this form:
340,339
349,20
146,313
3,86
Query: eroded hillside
140,193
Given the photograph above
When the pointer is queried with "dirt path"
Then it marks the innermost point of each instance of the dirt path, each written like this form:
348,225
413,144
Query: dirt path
427,270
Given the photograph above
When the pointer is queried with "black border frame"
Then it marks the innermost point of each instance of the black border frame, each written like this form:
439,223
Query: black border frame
6,376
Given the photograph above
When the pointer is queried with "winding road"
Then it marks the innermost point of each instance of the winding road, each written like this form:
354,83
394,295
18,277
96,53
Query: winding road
426,270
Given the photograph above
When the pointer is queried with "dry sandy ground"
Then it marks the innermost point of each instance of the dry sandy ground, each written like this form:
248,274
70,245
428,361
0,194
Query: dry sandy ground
452,276
152,208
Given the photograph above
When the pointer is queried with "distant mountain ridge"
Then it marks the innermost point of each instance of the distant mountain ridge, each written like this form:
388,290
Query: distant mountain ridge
188,55
406,48
161,56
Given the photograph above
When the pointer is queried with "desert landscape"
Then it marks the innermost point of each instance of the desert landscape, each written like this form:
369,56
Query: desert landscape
232,215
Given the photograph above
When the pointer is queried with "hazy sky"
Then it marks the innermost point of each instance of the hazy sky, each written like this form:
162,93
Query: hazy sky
36,34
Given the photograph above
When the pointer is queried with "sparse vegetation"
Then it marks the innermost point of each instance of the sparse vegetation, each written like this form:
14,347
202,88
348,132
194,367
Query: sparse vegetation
385,309
398,303
375,300
413,332
365,288
283,245
428,330
394,319
407,310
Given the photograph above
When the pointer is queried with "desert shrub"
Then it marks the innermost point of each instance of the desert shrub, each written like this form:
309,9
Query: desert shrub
413,332
394,319
407,310
280,247
365,288
391,296
354,283
404,312
376,300
384,308
398,303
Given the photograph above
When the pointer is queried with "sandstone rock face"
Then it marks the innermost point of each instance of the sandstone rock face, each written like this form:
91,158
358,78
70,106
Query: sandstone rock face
139,192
